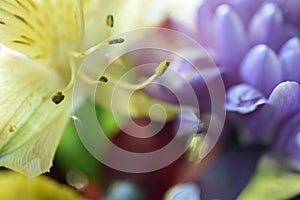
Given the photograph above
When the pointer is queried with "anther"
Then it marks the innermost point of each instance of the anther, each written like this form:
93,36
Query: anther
116,41
58,97
103,79
162,67
110,21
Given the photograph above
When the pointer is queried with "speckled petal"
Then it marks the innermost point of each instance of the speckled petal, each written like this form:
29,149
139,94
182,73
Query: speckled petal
31,124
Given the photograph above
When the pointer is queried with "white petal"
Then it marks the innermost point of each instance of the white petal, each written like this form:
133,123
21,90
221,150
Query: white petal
30,124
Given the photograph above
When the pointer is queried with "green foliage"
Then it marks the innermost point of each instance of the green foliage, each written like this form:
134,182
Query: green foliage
269,182
71,153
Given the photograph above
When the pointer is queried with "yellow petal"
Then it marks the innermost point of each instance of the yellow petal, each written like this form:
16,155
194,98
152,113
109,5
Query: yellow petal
15,186
40,29
30,124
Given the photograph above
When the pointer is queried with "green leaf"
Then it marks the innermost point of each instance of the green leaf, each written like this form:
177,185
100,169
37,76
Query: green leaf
71,153
269,182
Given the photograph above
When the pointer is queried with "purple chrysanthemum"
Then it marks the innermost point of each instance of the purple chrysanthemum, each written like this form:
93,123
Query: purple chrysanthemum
256,44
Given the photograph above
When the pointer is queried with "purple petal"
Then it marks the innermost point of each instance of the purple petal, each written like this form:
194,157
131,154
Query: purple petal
220,180
287,144
244,99
188,123
267,27
290,60
291,31
292,44
204,21
215,3
281,105
230,37
186,79
285,99
261,69
245,8
291,11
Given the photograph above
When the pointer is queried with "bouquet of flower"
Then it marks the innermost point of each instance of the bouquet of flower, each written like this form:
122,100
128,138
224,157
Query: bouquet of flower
150,99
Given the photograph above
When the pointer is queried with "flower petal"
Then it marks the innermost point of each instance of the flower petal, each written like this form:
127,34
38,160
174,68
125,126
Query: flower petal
291,10
245,8
285,99
35,28
289,57
31,124
220,180
267,27
230,37
186,79
261,69
188,123
204,20
283,103
16,186
243,98
287,143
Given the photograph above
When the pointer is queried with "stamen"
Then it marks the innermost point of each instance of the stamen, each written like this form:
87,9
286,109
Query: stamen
80,17
110,21
103,79
116,41
73,74
87,52
58,97
109,24
162,67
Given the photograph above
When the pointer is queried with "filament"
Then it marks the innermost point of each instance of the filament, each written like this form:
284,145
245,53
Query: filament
80,18
159,71
59,96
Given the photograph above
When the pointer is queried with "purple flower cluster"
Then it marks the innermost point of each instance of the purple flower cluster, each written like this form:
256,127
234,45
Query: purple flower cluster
256,44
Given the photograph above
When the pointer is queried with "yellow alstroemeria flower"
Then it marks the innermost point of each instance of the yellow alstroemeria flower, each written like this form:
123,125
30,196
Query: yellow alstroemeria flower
36,79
